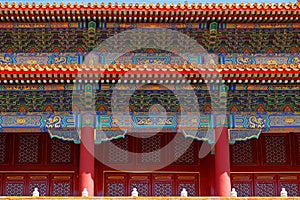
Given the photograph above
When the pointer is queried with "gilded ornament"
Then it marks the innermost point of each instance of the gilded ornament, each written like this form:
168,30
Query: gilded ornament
21,121
289,120
256,122
53,122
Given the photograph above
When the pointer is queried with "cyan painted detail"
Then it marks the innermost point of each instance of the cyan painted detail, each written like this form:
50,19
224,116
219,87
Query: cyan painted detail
242,126
293,58
147,58
41,58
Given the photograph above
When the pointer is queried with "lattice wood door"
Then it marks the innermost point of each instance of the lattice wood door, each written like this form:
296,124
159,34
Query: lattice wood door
151,184
61,185
187,181
115,185
14,185
290,182
243,184
24,184
162,185
1,194
40,181
265,185
142,182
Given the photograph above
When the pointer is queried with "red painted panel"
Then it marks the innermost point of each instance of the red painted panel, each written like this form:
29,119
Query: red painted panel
14,185
36,157
142,182
290,182
61,185
243,184
275,152
265,185
1,194
296,140
163,185
40,181
115,185
151,184
187,181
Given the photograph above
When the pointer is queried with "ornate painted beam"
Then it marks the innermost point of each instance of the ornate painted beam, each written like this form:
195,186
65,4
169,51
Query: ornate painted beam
67,125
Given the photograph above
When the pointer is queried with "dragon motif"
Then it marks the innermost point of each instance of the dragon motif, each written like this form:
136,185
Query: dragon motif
53,122
296,60
59,60
256,122
5,60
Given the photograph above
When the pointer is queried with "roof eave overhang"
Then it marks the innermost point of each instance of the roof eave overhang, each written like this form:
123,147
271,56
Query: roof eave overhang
180,13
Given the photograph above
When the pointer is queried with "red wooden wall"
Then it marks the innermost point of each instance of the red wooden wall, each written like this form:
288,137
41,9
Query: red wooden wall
151,184
184,169
36,160
261,167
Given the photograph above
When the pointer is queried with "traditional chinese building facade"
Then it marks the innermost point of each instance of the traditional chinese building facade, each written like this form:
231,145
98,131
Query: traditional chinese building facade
154,97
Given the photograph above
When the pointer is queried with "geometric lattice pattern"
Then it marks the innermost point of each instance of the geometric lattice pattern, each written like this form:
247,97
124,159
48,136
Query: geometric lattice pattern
116,189
265,189
162,189
298,150
28,149
242,189
235,43
190,188
291,188
61,189
141,187
45,41
118,151
276,150
3,148
184,151
14,189
142,100
151,149
242,152
42,188
60,151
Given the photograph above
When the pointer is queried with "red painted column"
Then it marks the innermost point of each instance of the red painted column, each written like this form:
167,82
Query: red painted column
86,162
222,162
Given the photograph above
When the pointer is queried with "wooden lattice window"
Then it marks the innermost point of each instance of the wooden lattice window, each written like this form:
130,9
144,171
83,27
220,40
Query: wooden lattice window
61,151
29,149
297,148
118,151
151,149
275,149
184,151
244,152
4,144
